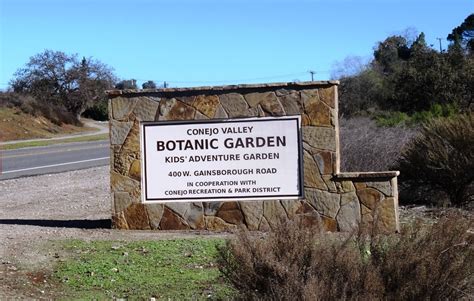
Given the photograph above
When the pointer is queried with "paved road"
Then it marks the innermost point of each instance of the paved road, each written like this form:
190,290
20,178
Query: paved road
53,158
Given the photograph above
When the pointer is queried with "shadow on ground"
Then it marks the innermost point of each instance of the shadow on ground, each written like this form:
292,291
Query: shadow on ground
82,224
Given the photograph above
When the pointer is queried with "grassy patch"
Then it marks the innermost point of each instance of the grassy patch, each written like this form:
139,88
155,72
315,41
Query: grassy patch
58,141
400,118
167,269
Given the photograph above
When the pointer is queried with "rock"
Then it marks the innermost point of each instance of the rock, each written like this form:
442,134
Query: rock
329,224
385,187
349,217
312,177
135,170
309,97
171,221
318,113
253,213
292,207
370,197
118,221
274,213
271,105
119,131
291,103
200,116
328,179
319,137
145,109
345,186
214,223
220,112
206,104
324,161
234,104
211,208
171,109
359,185
155,213
324,202
120,183
132,142
386,216
136,216
195,216
264,225
121,201
254,99
122,107
328,96
230,213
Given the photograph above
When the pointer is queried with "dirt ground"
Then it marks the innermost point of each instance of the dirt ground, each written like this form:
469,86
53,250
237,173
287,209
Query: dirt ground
36,212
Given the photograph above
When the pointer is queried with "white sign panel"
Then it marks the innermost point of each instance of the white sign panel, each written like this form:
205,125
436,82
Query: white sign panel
236,159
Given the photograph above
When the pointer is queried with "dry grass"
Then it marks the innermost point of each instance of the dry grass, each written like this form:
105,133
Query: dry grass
367,147
425,261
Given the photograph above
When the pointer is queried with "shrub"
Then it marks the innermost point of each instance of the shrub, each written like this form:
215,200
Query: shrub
368,147
300,263
98,111
441,158
394,118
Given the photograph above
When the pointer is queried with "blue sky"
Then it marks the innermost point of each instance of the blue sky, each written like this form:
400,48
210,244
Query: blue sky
192,43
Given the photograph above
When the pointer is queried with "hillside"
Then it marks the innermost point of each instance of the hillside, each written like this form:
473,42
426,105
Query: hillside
17,125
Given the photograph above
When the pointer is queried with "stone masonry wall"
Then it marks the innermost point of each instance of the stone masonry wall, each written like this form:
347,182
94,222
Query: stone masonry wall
341,201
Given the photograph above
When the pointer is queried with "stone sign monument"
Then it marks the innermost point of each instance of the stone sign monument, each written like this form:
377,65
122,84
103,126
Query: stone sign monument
217,157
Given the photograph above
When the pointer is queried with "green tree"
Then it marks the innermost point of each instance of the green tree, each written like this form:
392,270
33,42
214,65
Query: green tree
464,34
127,84
149,85
64,80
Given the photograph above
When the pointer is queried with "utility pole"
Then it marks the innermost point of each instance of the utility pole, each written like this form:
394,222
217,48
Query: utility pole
440,48
312,74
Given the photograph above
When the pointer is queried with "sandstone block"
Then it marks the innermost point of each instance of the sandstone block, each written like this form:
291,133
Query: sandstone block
155,213
253,213
274,213
328,96
220,112
234,104
231,213
206,104
121,201
171,109
122,107
135,170
145,109
136,216
385,187
370,197
324,202
254,99
349,216
214,223
119,131
171,221
291,103
312,177
320,137
318,113
386,216
271,105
